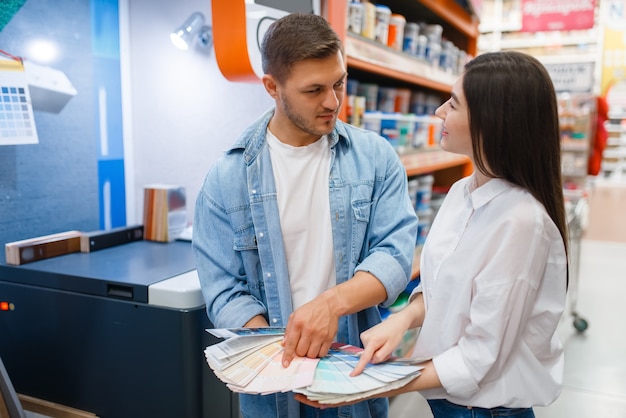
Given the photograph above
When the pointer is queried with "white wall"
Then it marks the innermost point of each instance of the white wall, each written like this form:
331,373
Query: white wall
183,113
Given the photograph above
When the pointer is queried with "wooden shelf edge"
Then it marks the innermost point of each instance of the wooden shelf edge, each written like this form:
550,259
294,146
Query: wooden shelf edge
367,55
455,15
360,64
428,161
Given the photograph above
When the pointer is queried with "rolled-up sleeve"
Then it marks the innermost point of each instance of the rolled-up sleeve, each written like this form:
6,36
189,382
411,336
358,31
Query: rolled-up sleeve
392,234
223,279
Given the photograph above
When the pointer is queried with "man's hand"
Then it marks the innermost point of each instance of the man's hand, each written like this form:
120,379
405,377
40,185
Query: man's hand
311,328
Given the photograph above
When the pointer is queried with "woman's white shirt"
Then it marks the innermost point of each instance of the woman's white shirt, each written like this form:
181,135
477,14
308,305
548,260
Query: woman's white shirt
493,274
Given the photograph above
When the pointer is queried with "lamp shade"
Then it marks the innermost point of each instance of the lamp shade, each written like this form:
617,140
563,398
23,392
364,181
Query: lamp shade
183,35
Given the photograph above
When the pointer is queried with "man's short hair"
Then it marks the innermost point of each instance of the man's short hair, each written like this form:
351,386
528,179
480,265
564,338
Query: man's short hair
297,37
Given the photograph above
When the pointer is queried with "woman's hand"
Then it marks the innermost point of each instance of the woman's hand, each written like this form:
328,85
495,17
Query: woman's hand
381,340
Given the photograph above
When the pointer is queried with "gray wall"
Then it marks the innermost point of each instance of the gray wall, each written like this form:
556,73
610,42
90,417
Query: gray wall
179,114
52,186
184,112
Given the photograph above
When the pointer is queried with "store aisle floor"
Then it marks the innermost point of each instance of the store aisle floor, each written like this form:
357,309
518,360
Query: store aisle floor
595,363
607,220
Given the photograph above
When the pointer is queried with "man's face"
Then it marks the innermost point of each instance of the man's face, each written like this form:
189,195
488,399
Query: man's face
309,99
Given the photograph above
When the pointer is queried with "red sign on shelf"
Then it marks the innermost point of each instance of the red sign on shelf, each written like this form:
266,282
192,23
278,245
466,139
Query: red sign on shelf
547,15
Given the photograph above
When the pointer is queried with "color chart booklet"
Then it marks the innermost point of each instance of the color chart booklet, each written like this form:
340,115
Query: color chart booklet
248,360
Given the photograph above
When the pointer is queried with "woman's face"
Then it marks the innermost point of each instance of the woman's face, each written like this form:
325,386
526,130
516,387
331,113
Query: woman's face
455,135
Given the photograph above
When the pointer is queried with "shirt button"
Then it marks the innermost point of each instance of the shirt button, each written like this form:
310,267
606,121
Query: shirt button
269,274
261,234
254,191
274,320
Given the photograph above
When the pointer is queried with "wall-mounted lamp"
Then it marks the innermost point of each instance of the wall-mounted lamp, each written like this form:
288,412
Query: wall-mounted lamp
193,27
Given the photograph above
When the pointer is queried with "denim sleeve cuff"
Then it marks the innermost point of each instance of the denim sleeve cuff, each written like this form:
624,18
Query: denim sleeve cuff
388,271
238,311
454,375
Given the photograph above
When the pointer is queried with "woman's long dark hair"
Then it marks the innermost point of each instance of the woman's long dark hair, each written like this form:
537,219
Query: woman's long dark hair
514,124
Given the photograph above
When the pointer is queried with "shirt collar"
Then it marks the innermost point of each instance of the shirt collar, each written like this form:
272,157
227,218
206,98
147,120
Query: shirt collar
484,194
252,140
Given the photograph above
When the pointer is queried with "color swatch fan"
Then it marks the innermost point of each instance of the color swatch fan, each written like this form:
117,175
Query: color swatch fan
249,360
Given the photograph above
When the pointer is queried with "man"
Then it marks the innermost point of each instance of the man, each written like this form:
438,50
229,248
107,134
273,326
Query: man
305,222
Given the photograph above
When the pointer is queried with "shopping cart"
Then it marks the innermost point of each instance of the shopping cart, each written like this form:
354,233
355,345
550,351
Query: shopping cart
576,210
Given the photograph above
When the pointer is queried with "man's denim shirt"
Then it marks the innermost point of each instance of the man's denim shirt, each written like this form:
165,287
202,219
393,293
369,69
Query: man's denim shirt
237,237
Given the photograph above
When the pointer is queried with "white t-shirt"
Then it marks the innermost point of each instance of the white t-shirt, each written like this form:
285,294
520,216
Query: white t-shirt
301,175
493,276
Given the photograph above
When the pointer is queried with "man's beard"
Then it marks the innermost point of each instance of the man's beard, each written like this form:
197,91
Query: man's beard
302,123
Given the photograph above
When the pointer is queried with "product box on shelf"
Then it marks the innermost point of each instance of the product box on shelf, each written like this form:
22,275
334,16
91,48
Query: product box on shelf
396,127
395,38
420,191
427,131
425,219
370,92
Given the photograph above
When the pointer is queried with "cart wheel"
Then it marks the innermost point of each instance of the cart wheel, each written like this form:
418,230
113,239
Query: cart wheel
580,324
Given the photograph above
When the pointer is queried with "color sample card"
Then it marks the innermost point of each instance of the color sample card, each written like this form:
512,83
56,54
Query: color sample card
17,124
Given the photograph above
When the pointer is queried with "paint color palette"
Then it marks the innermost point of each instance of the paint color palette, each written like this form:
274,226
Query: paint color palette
17,124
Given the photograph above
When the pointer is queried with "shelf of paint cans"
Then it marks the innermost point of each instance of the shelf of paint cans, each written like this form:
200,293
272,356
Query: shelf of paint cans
367,55
420,189
405,132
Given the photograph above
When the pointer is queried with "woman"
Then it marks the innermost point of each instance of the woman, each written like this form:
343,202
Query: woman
494,266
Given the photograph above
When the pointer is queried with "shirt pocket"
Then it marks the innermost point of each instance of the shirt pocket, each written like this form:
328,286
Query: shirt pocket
245,245
243,228
361,209
361,213
245,239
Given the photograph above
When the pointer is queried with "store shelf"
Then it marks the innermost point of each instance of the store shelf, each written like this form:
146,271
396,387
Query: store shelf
429,161
615,128
369,57
566,58
618,153
501,29
395,68
574,145
614,155
488,27
448,12
616,141
541,41
372,57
